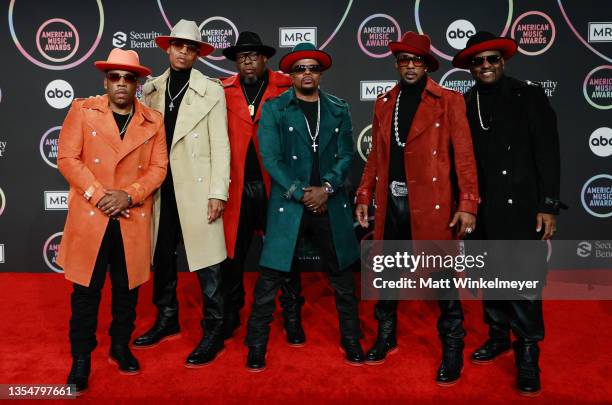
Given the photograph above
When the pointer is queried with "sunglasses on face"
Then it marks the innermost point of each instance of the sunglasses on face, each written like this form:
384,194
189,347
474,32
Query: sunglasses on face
404,60
303,68
492,59
179,45
252,56
115,77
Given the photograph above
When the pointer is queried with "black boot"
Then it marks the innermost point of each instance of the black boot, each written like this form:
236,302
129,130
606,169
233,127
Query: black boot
79,373
353,352
210,346
256,359
164,328
526,356
121,355
231,323
452,362
292,303
386,342
490,350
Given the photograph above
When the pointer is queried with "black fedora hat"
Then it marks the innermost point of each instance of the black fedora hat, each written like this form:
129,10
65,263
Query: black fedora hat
248,41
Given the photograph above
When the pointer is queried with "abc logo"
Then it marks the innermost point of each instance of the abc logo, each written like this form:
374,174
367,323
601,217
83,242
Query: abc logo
458,33
59,94
119,39
601,142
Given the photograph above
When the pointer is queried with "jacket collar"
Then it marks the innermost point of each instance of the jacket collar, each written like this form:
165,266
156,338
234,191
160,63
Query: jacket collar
100,103
334,105
197,82
275,79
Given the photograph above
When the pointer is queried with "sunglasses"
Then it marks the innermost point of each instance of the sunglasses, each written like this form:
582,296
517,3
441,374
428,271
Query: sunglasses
303,68
191,47
404,60
492,59
252,56
115,77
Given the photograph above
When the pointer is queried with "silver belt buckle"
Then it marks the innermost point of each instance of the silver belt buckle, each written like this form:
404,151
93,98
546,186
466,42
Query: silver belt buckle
398,188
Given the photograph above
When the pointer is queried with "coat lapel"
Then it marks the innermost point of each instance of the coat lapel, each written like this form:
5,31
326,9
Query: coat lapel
103,123
236,101
385,116
329,120
137,132
427,113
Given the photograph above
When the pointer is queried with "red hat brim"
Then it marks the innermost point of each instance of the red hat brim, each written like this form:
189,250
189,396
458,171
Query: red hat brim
163,41
506,46
141,71
288,60
432,62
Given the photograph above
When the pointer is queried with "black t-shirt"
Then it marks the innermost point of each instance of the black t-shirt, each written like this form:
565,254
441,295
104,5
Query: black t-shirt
309,108
408,104
122,121
253,93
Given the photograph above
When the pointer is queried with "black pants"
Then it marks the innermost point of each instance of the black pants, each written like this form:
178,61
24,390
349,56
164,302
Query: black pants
317,230
397,227
165,257
85,301
524,317
253,208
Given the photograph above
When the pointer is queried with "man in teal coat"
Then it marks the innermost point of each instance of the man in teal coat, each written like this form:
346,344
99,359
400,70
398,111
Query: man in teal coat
306,144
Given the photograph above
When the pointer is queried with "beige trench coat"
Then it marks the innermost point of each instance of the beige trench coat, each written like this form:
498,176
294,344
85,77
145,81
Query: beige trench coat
200,162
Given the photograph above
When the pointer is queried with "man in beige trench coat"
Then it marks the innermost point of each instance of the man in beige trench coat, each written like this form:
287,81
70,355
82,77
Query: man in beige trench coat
191,200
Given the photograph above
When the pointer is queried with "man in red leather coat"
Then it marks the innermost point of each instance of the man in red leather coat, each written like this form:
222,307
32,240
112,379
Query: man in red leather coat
420,141
245,213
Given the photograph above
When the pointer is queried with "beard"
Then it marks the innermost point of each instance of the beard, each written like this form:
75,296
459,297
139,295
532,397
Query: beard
251,80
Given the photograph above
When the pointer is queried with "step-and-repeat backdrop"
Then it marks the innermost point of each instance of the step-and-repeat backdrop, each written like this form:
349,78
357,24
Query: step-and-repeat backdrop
48,49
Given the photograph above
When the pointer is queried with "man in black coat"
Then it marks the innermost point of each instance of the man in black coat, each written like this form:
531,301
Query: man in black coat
516,144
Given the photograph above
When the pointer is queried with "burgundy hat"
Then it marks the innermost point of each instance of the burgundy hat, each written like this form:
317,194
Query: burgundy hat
305,50
484,41
416,44
123,60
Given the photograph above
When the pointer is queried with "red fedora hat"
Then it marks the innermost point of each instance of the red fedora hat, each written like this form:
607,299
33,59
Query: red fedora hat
123,60
484,41
305,50
416,44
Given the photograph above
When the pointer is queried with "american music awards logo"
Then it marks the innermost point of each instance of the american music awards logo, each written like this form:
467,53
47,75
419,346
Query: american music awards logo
460,80
364,142
55,43
51,250
596,196
597,87
48,146
375,33
534,32
221,33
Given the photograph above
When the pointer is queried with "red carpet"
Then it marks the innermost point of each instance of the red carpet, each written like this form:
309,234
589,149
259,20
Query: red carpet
576,359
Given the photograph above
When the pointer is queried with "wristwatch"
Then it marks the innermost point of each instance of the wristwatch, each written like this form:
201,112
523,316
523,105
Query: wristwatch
129,198
327,187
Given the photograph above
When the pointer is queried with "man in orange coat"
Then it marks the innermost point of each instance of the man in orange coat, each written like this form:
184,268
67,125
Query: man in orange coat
112,152
420,136
245,213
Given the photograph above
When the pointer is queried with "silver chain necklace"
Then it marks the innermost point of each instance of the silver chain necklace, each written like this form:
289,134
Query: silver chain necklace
479,114
316,135
252,103
126,122
171,105
395,122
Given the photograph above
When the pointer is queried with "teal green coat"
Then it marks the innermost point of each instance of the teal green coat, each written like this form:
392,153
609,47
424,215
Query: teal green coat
286,152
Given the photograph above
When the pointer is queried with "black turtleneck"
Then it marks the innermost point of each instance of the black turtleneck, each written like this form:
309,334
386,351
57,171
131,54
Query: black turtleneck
176,80
408,105
253,93
489,97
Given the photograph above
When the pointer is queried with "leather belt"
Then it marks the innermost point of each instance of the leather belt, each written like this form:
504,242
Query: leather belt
398,188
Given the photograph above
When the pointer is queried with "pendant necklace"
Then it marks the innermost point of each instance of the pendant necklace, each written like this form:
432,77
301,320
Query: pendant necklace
395,122
316,135
479,114
252,103
171,105
126,122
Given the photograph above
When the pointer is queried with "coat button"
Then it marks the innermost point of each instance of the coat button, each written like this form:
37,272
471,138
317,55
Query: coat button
508,147
91,213
193,155
509,200
140,166
290,129
195,135
142,214
437,206
93,133
200,179
437,124
294,157
96,160
434,178
344,205
385,99
504,172
337,130
281,209
435,152
146,142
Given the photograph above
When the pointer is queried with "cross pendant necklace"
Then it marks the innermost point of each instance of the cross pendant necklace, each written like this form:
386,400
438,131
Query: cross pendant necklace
171,105
316,135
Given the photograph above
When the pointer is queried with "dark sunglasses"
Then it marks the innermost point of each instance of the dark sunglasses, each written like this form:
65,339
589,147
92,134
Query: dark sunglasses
191,47
492,59
303,68
115,77
404,60
252,56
